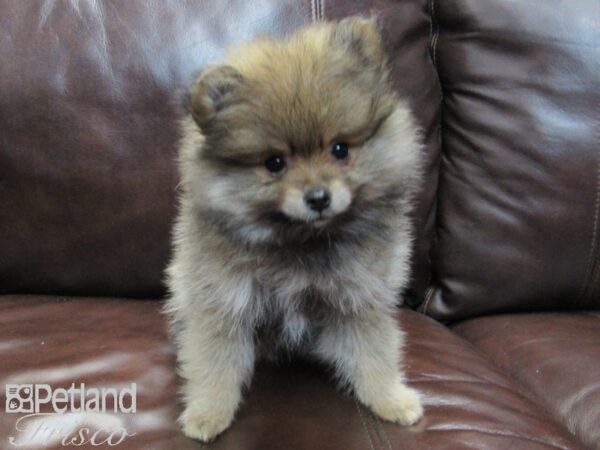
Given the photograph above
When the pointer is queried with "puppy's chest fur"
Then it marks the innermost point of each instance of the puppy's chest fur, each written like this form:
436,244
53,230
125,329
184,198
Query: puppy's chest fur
290,324
297,293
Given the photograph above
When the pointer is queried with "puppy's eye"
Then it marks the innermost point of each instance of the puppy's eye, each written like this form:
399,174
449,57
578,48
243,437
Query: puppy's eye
275,164
339,150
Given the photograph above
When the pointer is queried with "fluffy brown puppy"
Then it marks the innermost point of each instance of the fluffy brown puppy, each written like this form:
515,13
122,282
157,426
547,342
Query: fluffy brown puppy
298,166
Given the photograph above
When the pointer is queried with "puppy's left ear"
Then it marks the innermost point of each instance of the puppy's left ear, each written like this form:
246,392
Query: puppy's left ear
361,37
211,91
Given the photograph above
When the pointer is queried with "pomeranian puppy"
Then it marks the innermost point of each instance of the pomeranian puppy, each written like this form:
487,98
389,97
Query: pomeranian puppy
298,166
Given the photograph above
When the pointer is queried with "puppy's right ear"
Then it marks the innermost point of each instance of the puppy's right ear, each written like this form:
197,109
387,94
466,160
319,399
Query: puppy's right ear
211,91
363,38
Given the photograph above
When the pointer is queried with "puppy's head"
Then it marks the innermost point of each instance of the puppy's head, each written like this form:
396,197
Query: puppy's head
299,137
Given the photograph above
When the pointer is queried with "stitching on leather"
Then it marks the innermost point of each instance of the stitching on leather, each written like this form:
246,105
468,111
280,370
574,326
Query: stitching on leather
593,267
379,431
385,435
387,439
596,281
317,9
434,32
501,433
520,388
429,290
374,428
364,424
428,294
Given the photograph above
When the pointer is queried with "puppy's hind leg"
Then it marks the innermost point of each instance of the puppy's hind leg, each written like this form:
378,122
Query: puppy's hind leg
365,352
216,361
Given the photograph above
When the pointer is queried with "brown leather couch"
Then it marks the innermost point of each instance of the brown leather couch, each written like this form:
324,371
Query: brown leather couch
503,339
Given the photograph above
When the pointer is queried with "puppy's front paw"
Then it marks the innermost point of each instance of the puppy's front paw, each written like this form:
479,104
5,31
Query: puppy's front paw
202,425
402,406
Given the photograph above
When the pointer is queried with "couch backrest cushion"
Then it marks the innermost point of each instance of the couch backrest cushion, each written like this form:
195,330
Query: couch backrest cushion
88,131
88,128
407,30
518,224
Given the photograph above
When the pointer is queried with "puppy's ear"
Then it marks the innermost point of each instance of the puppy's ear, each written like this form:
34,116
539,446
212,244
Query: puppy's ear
211,91
361,37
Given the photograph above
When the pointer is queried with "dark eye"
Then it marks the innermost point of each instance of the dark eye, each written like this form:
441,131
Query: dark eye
340,150
275,164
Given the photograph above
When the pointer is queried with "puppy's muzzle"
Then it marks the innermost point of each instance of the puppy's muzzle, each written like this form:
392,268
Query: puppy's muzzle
318,199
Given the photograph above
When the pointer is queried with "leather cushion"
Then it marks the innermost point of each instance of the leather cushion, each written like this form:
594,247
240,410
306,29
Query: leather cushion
88,114
518,223
113,342
88,110
555,356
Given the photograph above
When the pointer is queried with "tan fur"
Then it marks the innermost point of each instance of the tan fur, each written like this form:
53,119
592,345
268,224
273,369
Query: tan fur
255,270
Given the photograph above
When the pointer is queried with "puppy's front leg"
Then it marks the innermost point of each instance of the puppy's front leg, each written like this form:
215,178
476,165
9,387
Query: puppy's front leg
366,354
216,360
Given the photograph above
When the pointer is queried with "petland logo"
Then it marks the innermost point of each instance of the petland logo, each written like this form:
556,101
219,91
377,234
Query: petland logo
72,417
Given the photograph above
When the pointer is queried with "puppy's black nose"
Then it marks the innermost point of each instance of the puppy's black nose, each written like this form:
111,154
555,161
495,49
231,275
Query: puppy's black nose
318,199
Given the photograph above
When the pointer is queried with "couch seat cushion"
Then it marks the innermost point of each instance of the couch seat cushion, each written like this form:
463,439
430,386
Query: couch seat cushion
555,356
113,342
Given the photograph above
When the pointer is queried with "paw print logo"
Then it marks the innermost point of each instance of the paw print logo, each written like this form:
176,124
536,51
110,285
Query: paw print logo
19,398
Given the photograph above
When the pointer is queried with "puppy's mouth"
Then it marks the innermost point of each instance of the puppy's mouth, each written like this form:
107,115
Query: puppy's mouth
318,223
282,218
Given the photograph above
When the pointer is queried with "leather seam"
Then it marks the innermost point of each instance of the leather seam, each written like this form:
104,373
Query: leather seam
434,32
364,425
317,9
592,272
520,389
596,269
428,295
501,433
380,432
596,281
